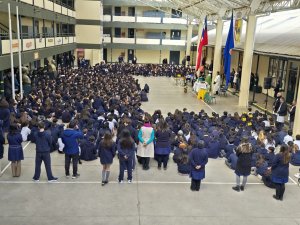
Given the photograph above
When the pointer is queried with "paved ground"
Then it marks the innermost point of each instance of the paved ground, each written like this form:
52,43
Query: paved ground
155,197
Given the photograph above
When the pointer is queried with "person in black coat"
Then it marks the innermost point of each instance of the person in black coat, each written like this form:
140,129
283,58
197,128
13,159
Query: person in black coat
280,171
144,97
43,143
106,152
243,168
292,112
146,88
281,113
198,158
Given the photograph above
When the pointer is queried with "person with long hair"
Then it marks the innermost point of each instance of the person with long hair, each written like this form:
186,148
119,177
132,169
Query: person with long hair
106,151
280,171
145,149
243,168
162,144
126,149
15,150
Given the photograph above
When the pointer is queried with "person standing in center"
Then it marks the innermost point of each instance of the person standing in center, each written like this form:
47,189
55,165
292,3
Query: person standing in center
243,167
43,143
198,158
126,149
71,149
162,144
217,83
145,148
107,151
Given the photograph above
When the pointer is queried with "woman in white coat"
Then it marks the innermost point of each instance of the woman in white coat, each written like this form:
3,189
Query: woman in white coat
145,149
217,83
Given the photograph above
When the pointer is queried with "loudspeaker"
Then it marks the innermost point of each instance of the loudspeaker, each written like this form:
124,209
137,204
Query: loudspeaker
188,58
267,82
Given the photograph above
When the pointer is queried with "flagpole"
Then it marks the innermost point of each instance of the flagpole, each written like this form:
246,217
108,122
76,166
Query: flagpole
11,54
19,53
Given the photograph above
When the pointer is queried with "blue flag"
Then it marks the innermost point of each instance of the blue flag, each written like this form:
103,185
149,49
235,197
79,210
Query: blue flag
227,52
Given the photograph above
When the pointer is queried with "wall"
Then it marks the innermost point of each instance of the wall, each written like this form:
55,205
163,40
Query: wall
88,34
148,56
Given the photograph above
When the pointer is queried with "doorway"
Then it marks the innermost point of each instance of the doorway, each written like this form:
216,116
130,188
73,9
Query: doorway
130,55
292,82
117,11
175,34
174,57
105,55
131,11
131,32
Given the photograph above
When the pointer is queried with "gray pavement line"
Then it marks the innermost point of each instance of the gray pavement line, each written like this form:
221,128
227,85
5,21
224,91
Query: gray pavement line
134,182
5,168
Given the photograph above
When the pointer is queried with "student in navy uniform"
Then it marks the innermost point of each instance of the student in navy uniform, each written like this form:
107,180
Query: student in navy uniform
126,149
231,161
69,138
2,141
88,149
144,97
280,171
106,151
162,144
243,168
43,142
198,158
15,150
295,159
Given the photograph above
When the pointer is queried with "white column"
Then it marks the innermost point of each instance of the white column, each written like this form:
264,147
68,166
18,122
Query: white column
11,54
218,48
296,129
188,42
247,61
19,53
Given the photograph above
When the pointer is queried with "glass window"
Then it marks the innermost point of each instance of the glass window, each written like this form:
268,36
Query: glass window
278,71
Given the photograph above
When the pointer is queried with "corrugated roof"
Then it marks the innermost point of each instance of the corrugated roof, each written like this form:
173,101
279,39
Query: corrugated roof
278,33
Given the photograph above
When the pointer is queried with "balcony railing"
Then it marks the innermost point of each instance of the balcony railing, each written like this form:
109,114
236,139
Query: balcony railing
144,19
143,41
29,42
55,6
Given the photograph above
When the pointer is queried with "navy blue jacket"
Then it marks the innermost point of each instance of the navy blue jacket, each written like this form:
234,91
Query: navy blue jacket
162,144
88,150
43,142
69,138
232,159
279,169
106,154
128,152
213,149
295,160
4,115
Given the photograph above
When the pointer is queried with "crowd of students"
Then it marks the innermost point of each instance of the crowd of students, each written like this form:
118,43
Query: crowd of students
100,110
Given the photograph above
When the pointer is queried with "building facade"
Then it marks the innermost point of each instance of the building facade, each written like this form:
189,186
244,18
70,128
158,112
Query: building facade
47,31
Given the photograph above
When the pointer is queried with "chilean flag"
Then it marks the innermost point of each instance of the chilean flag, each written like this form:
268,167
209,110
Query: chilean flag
227,51
203,42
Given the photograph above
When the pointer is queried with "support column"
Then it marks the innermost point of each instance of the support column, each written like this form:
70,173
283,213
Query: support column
247,61
296,129
188,43
218,48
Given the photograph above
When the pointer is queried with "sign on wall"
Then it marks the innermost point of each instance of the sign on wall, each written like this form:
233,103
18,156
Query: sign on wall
28,44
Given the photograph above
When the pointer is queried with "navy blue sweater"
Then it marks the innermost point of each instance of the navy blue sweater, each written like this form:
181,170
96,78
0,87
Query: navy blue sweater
43,142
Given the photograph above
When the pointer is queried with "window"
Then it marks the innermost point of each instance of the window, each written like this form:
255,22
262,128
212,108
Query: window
278,70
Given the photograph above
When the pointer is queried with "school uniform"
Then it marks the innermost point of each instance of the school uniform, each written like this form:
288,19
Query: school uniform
125,163
88,150
280,175
213,149
232,161
197,157
269,157
162,147
43,147
295,160
15,149
106,154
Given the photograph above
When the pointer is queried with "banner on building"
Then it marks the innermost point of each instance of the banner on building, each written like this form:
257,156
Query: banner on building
238,26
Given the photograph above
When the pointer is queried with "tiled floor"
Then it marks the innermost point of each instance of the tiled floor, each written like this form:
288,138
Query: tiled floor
155,197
